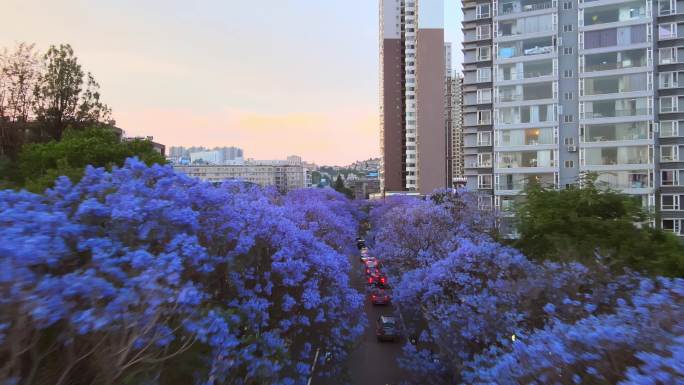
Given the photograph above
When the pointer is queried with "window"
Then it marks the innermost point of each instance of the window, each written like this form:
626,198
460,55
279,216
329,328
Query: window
669,177
672,226
484,95
484,181
567,73
484,31
669,202
667,31
484,160
667,55
568,118
668,79
669,128
668,104
484,117
567,50
484,138
569,141
482,11
568,96
484,53
669,153
667,7
484,202
484,74
569,164
567,5
567,28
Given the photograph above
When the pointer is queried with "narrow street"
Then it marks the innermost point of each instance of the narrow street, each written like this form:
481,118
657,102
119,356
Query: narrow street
372,362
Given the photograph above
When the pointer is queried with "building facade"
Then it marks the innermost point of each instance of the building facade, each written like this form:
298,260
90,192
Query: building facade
670,153
285,176
477,119
412,68
556,89
455,162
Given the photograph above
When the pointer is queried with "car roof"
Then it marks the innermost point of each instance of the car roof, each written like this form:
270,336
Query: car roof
387,319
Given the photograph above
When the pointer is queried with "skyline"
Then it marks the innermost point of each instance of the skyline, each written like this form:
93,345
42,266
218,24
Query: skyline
166,70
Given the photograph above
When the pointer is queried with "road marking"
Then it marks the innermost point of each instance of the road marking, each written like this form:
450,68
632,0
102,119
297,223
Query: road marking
313,366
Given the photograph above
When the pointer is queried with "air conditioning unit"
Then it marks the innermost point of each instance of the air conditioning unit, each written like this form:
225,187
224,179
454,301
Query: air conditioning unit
572,148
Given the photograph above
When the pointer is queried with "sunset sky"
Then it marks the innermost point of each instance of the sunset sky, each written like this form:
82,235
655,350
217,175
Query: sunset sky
275,77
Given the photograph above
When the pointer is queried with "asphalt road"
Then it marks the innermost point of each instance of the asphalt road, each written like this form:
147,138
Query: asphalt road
372,362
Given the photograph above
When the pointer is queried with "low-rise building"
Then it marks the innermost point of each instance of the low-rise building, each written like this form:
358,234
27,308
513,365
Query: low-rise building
285,175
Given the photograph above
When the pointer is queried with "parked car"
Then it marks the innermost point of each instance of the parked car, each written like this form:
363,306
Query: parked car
366,257
379,296
386,329
360,243
364,250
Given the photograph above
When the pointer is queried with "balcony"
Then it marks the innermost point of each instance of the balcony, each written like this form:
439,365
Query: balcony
613,156
614,13
527,47
615,60
624,179
616,108
616,84
517,7
526,25
596,133
526,159
526,92
518,182
526,137
544,113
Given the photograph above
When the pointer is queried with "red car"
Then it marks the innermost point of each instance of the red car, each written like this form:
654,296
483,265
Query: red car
377,278
379,296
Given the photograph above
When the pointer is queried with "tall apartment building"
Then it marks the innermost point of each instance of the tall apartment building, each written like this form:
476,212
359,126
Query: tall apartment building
670,152
455,134
412,68
477,121
568,88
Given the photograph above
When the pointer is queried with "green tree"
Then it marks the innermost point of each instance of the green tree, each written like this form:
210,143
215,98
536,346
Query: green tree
315,178
339,187
579,224
61,97
40,164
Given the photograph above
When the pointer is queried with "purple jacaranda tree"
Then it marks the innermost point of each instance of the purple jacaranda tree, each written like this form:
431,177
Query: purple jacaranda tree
480,312
330,215
152,277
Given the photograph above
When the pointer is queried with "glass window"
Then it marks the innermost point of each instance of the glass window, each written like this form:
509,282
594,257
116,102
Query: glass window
484,74
669,128
669,153
669,202
669,177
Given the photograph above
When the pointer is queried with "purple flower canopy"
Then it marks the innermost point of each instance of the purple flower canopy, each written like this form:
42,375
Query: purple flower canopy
142,265
483,313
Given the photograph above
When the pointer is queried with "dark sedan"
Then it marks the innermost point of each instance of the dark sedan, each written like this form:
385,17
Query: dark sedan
386,329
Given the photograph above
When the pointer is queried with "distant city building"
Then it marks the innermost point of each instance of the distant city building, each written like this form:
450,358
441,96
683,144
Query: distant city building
285,175
364,187
412,68
202,155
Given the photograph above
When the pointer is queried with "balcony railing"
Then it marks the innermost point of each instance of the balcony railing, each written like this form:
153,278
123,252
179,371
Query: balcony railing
511,8
608,67
616,113
521,75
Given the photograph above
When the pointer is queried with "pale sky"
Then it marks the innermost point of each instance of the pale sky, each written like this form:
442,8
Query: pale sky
275,77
